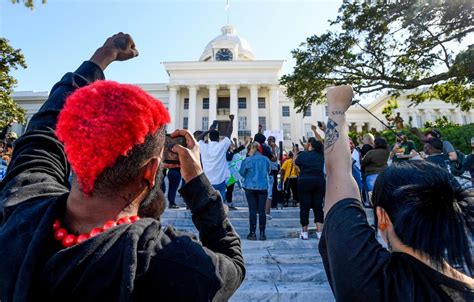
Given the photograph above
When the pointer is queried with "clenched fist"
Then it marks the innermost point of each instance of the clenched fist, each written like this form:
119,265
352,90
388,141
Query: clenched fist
119,47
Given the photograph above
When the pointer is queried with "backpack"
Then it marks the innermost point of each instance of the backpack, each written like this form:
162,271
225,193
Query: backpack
457,167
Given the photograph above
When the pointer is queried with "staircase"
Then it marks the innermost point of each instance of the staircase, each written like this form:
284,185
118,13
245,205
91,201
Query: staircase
282,268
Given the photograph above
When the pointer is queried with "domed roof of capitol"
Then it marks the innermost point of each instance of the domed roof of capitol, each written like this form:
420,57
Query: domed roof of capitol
228,39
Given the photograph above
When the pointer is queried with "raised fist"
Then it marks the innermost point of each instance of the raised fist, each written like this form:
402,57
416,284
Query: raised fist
119,47
339,98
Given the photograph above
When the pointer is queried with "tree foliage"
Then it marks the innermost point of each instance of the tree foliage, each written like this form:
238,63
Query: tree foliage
407,46
10,58
28,3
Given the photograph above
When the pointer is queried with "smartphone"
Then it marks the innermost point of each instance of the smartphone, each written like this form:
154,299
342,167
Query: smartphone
320,125
170,157
214,124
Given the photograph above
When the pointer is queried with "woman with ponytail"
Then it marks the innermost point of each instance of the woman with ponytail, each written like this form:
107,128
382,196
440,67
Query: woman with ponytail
424,217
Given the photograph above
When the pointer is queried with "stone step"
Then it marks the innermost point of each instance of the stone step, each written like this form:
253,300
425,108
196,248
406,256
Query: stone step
244,222
242,212
302,272
282,256
239,222
271,233
283,291
282,243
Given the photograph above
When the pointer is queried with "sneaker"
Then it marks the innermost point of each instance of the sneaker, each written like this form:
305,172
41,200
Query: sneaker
252,236
173,206
269,217
262,236
318,235
304,235
232,208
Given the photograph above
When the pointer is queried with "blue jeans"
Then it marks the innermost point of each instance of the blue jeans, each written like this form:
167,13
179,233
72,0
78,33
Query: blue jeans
221,188
256,200
370,181
174,179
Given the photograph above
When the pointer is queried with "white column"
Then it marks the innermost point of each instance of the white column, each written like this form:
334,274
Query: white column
274,108
472,116
234,108
414,121
253,109
428,115
458,116
192,108
172,108
212,104
359,127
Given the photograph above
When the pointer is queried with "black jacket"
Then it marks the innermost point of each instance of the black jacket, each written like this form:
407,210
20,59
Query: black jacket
129,262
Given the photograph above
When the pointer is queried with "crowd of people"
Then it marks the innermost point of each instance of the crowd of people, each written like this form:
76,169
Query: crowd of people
97,235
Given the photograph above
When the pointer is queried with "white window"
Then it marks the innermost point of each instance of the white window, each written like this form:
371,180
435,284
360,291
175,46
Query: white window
242,103
242,123
419,122
262,120
285,110
307,112
205,123
185,123
261,103
205,103
307,131
287,131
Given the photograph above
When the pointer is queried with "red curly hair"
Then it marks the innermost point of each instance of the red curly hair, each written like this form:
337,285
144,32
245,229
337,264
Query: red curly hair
103,121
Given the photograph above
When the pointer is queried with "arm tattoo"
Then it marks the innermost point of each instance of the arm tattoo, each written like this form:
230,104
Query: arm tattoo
337,112
332,135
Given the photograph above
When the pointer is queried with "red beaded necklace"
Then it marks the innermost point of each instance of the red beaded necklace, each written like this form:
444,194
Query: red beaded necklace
68,240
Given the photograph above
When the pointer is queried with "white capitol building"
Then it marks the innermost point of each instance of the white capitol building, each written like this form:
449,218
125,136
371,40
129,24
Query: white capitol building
228,79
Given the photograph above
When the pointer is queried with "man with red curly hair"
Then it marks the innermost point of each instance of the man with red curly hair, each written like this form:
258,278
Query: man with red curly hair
100,238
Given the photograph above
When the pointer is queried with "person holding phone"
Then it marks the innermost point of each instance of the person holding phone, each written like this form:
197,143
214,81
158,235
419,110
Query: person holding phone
403,149
99,238
214,161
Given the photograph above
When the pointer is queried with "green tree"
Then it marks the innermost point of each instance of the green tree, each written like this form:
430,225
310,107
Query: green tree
389,109
10,58
395,47
28,3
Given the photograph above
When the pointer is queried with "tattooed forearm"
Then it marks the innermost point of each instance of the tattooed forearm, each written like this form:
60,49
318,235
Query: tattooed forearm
332,134
337,112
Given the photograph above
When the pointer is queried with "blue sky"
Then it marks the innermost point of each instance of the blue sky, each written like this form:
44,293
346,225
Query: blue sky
57,37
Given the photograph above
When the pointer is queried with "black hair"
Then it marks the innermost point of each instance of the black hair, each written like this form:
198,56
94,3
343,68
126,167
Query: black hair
197,133
214,135
290,154
260,138
429,211
316,145
9,145
126,168
436,143
434,133
380,143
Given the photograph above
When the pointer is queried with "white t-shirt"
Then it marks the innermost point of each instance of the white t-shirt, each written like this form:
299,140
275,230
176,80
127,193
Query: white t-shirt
213,158
356,157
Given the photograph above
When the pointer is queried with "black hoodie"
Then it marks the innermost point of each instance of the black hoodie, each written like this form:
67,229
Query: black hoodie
128,262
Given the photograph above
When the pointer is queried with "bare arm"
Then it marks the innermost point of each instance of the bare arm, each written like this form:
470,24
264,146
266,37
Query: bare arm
203,135
316,134
230,128
340,183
